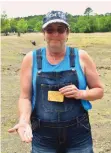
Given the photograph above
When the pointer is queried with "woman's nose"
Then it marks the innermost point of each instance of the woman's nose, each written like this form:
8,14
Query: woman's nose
55,33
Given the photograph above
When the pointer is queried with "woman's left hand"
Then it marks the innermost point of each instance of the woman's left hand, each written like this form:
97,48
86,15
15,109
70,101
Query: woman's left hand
71,91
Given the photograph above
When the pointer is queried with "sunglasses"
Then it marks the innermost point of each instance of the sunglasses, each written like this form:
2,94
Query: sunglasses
60,30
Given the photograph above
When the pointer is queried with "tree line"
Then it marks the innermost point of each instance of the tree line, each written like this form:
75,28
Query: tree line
86,23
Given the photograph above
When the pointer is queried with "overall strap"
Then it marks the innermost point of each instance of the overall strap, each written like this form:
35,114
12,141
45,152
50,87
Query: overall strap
39,59
72,58
39,67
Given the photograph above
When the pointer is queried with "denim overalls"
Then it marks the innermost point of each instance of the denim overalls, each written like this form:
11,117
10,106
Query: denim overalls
59,127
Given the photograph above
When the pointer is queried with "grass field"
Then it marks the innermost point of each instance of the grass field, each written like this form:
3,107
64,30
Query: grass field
98,45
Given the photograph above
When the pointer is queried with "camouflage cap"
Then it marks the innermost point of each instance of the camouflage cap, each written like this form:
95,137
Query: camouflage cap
55,17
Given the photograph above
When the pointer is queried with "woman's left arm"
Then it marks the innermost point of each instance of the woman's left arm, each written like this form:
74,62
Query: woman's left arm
95,86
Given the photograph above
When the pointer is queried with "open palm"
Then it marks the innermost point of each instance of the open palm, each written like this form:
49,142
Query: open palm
24,130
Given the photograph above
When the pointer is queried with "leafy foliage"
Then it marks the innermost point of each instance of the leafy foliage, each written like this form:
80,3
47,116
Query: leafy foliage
88,11
79,24
5,23
22,26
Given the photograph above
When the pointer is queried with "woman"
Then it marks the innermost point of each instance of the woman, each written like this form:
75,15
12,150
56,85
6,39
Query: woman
53,93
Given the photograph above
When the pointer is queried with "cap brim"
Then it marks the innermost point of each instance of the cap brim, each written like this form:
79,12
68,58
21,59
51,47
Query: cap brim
54,21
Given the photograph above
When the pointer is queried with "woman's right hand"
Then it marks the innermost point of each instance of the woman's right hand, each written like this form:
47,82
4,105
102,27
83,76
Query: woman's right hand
24,130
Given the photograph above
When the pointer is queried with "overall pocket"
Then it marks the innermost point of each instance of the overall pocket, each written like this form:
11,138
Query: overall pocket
84,122
54,106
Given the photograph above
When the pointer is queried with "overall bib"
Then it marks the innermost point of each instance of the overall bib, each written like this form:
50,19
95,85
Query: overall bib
59,127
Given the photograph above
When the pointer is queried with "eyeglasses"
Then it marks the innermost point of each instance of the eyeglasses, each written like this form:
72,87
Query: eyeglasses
60,30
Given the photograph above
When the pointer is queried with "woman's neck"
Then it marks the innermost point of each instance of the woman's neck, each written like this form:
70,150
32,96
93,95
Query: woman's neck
57,53
55,56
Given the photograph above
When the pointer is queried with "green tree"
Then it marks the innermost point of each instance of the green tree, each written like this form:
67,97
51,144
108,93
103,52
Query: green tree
92,24
82,25
38,26
102,27
32,23
108,23
88,11
97,23
22,26
5,23
13,25
72,20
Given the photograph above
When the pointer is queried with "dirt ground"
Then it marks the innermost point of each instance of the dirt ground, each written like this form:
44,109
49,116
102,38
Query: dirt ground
98,45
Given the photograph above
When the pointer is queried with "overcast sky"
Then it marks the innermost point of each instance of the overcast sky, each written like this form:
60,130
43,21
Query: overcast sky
27,8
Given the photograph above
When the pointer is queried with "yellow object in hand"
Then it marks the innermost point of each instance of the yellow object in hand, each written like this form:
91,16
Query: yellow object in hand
55,96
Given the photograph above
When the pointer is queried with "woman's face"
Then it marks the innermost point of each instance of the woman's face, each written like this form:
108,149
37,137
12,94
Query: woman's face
56,35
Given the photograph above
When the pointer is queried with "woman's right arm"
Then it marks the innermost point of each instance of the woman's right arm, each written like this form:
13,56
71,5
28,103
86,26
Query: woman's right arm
24,103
